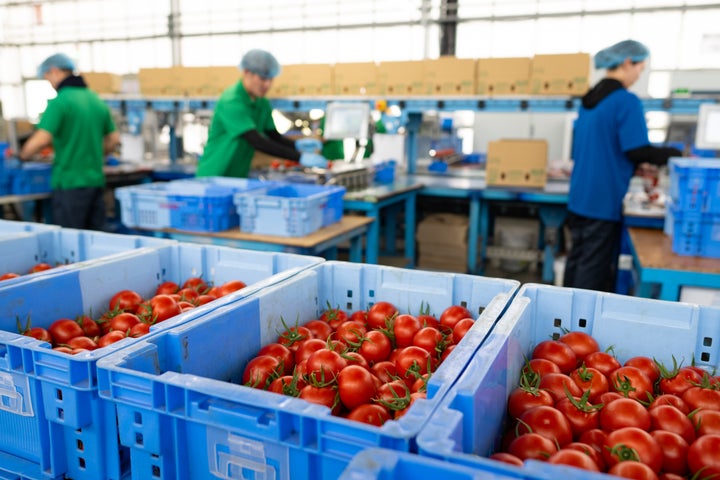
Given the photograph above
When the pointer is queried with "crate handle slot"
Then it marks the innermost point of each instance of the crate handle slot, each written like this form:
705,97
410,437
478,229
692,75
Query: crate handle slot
13,395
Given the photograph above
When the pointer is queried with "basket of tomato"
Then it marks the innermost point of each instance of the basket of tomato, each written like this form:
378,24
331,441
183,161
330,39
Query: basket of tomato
55,327
579,384
296,379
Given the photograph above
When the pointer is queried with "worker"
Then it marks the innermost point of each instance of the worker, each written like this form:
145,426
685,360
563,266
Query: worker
80,128
242,123
610,139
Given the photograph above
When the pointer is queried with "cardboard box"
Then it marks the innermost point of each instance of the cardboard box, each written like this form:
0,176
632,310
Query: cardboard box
401,78
450,76
517,163
103,82
355,78
503,76
563,74
160,81
303,80
443,229
207,81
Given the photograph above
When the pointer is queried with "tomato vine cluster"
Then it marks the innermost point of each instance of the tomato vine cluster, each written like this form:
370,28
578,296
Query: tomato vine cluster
38,267
128,315
577,405
368,366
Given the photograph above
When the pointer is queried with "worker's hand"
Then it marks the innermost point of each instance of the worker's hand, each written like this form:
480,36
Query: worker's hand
313,160
308,145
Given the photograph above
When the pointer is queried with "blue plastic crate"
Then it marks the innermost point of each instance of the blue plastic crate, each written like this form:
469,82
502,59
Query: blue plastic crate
468,424
52,421
693,233
64,248
695,184
184,415
29,178
290,209
381,464
14,226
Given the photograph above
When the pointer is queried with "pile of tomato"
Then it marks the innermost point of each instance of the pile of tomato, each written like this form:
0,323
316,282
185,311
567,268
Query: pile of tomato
368,365
577,405
38,267
128,315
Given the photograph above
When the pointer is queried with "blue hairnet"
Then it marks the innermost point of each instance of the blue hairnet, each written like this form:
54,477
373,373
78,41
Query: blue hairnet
260,63
59,60
614,55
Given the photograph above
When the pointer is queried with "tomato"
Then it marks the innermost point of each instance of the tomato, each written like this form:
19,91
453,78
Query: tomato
188,295
260,371
110,337
8,276
674,451
380,313
125,300
334,317
670,476
634,470
609,397
453,314
404,329
622,413
88,325
506,458
319,329
167,288
412,362
351,333
557,383
139,329
355,386
573,458
413,397
590,451
548,422
707,422
204,299
669,418
231,286
38,333
324,366
532,445
305,348
124,321
385,371
196,283
164,307
632,383
581,343
461,328
581,415
522,399
354,358
647,365
292,337
369,413
699,397
40,267
376,346
289,385
703,456
540,366
67,350
427,320
82,343
677,381
602,361
632,443
557,352
64,329
430,339
394,395
667,399
596,439
326,396
592,379
282,353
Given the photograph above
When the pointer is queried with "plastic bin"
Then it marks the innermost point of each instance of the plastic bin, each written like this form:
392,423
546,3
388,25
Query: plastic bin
692,232
695,184
469,422
14,226
63,247
289,210
184,415
381,464
53,424
29,178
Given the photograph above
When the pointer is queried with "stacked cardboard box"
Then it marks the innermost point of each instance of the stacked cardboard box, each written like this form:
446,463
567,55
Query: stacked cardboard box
517,163
442,242
103,82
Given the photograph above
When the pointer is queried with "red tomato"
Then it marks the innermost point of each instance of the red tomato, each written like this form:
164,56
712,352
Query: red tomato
631,443
581,415
672,400
703,456
633,470
167,288
677,381
452,315
632,383
427,320
63,330
282,353
622,413
394,395
590,451
699,397
67,350
376,346
125,300
164,307
385,371
326,396
40,267
230,287
319,329
573,458
404,329
557,384
412,362
548,422
707,422
324,366
355,386
647,365
581,343
351,333
305,348
596,438
260,371
334,316
461,328
590,379
110,337
289,385
359,316
532,445
203,299
413,397
38,333
669,418
674,451
188,295
430,339
369,413
139,329
523,399
540,366
8,276
124,321
89,326
292,337
196,283
506,458
380,313
557,352
82,343
602,361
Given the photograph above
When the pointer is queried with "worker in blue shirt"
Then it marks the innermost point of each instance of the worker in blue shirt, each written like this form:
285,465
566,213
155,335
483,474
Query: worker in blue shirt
610,140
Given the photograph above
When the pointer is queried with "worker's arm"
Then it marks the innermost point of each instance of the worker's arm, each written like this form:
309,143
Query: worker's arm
266,145
280,138
652,155
111,142
37,141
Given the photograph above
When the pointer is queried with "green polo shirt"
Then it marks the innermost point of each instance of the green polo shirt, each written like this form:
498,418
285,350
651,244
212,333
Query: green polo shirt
226,153
78,121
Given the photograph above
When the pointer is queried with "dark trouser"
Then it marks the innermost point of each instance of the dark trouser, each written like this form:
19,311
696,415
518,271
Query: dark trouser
592,262
82,208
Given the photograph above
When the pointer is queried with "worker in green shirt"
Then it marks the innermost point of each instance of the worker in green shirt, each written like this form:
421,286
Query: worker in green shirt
242,123
79,126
